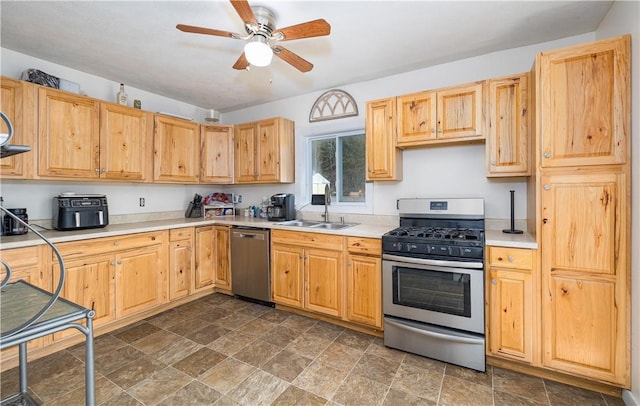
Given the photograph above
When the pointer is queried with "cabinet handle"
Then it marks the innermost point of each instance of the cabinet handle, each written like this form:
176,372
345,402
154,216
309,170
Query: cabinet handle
104,169
439,130
433,130
493,163
180,234
97,170
119,262
494,282
547,154
113,263
547,187
510,258
116,243
349,264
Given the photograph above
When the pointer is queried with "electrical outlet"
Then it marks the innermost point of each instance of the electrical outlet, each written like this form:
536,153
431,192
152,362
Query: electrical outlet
142,202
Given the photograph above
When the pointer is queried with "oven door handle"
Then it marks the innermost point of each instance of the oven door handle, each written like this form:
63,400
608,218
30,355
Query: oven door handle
447,337
435,262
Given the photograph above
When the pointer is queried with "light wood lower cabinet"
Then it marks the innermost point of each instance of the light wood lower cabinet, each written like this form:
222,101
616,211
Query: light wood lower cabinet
115,276
222,257
307,271
364,281
30,265
511,302
181,262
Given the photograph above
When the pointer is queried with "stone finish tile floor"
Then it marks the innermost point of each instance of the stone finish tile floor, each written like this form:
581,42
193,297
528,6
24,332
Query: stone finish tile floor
223,351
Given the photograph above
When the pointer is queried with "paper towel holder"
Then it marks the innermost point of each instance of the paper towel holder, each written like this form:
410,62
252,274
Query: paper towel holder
512,230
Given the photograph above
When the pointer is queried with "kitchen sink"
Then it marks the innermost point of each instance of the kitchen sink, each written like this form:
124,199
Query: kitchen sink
299,223
333,226
316,224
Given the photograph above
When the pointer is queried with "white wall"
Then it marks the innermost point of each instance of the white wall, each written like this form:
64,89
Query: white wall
624,18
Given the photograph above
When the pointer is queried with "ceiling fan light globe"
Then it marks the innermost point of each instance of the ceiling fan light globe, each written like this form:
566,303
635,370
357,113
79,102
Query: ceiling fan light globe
258,53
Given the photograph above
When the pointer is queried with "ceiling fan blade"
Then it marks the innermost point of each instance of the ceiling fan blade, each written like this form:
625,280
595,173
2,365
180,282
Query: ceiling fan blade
207,31
292,59
315,28
244,11
241,63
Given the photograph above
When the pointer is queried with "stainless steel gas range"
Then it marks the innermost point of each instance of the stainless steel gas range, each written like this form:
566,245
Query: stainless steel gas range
433,281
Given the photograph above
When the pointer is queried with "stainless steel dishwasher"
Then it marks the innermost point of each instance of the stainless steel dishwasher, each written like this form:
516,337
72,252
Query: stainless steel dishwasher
250,273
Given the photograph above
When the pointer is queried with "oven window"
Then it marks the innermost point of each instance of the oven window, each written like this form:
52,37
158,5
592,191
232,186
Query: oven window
443,292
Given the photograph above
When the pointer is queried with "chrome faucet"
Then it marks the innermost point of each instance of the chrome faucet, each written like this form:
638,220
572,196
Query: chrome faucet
327,201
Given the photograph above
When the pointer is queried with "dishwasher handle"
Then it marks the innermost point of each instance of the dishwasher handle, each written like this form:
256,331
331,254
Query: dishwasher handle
244,234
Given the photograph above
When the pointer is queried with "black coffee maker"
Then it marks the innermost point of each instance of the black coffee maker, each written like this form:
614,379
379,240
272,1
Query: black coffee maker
283,207
11,226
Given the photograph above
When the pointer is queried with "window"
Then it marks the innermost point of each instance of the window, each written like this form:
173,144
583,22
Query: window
338,161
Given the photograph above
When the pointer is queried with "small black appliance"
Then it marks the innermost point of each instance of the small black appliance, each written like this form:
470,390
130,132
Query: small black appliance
282,208
75,211
11,226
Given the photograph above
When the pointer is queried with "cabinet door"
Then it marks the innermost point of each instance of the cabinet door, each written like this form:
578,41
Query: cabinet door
69,135
416,118
204,276
286,274
508,148
511,314
323,281
222,258
90,282
177,150
181,265
245,153
17,101
383,158
268,156
140,279
583,108
585,274
30,265
126,143
460,112
216,154
364,290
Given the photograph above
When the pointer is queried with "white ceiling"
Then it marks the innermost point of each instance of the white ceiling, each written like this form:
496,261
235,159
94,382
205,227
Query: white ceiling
136,42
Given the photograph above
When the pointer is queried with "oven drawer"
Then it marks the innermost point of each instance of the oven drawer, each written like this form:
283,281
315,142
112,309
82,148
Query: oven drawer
520,258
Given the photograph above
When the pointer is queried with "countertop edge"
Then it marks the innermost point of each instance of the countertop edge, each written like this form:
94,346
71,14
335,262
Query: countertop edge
496,238
113,230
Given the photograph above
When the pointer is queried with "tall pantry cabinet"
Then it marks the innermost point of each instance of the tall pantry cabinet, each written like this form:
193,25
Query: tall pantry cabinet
583,206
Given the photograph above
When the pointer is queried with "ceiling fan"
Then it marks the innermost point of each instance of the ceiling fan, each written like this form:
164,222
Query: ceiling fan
262,36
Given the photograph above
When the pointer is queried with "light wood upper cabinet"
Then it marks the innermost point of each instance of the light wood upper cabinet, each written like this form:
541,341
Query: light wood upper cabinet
416,118
18,101
69,135
216,148
126,143
584,103
585,273
177,150
384,160
264,152
511,303
440,116
507,145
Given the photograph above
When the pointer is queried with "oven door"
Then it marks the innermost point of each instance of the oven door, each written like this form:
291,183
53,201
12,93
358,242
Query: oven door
435,292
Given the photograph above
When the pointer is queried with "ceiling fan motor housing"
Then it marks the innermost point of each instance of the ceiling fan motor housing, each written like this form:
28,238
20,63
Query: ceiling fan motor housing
266,21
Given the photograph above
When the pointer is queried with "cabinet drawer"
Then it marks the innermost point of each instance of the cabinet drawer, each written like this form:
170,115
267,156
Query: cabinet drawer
367,246
306,239
110,244
178,234
511,257
21,257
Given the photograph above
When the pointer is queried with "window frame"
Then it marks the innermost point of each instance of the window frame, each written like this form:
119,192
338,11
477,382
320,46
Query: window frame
346,207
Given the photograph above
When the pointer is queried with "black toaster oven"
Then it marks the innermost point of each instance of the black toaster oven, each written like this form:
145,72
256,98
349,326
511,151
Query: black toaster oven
76,211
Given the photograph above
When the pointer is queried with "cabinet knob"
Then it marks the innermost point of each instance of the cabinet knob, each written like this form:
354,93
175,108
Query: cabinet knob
119,262
349,264
493,163
180,234
113,263
116,243
433,130
547,154
439,130
510,258
97,170
494,282
104,169
547,187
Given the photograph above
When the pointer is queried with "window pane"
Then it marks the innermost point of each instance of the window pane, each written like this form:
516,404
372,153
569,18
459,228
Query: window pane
352,168
323,161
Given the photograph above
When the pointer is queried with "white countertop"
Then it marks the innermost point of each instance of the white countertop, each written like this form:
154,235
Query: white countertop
31,239
497,238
